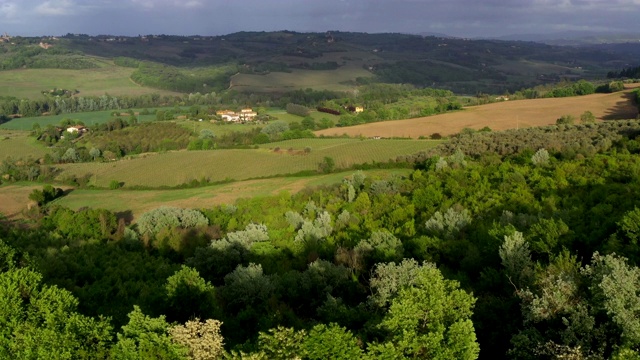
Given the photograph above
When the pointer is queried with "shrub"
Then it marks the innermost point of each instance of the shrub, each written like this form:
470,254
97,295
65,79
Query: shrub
587,117
115,184
566,120
540,158
163,217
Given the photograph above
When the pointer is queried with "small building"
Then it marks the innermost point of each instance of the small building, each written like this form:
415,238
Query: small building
77,129
243,116
247,114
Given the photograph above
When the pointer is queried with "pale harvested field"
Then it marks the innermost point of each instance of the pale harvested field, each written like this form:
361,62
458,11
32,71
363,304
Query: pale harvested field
500,116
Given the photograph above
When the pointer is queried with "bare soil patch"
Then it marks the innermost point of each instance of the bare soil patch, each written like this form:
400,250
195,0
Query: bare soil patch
500,116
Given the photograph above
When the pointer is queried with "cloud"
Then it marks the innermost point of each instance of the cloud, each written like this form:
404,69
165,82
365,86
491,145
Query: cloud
168,5
8,10
57,8
467,18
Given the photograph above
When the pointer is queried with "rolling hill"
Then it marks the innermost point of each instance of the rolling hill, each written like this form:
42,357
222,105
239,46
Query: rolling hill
499,116
257,62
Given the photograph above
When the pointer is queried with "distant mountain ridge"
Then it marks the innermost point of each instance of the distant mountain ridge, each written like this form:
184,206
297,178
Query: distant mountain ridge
575,38
280,61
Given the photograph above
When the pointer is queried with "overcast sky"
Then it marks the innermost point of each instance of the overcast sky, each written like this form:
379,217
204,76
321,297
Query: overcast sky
466,18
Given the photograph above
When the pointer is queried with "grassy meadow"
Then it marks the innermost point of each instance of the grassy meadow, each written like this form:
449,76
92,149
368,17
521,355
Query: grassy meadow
336,80
14,198
19,145
174,168
88,118
108,78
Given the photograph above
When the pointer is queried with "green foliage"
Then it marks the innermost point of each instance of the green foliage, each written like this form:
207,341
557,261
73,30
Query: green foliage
282,343
115,185
145,137
615,286
587,117
331,342
296,109
540,158
247,286
150,223
566,120
450,224
316,230
189,296
172,78
578,88
275,129
516,258
382,246
428,315
46,195
83,224
41,321
522,254
145,337
206,134
327,165
203,340
126,62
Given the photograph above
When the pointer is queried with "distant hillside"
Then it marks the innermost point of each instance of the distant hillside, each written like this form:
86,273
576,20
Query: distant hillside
574,38
331,60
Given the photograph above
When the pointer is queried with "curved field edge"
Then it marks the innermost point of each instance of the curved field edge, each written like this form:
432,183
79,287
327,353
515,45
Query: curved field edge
18,144
14,198
109,78
180,167
500,116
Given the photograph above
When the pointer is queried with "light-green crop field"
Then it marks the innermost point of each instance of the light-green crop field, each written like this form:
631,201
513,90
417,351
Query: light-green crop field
300,79
19,145
174,168
140,201
88,118
108,78
14,198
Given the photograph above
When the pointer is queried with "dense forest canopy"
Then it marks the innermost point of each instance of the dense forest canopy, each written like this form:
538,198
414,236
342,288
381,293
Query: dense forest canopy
528,254
520,244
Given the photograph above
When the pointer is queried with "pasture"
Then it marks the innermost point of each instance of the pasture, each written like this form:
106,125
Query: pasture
336,80
499,116
179,167
15,198
19,145
88,118
108,78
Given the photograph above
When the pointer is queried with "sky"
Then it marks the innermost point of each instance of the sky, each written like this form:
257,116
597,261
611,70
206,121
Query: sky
464,18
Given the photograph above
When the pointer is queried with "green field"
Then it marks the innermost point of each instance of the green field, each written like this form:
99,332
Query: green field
98,117
15,197
174,168
18,145
139,201
335,80
108,78
88,118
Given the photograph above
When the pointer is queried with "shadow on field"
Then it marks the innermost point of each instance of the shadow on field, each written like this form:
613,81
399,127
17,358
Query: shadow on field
626,108
127,215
